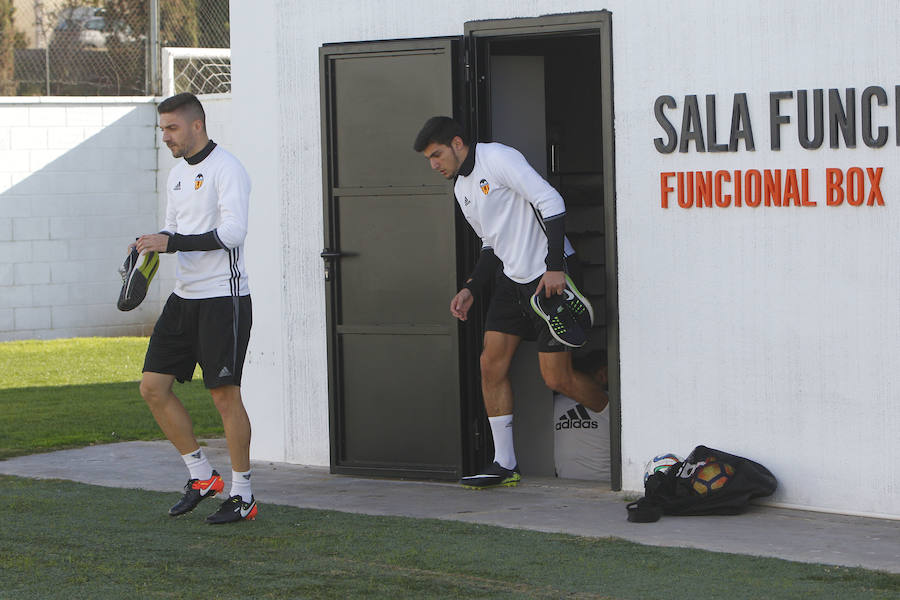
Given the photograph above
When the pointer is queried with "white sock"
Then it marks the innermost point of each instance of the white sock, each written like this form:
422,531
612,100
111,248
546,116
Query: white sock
240,485
197,464
504,452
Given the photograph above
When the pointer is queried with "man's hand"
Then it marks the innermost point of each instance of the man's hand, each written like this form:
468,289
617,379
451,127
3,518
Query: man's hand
553,283
461,303
152,242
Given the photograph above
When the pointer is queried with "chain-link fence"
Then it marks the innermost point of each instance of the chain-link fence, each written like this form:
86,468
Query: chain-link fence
100,47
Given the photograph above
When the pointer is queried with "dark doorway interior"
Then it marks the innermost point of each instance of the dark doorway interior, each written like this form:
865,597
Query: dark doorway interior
542,95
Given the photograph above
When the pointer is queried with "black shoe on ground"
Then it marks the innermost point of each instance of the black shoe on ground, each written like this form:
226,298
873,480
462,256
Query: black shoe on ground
563,324
493,476
579,305
234,509
196,490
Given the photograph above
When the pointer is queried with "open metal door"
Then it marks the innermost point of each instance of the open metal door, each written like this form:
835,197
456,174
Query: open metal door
390,261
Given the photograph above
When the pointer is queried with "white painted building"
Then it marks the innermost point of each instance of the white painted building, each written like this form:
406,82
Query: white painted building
767,331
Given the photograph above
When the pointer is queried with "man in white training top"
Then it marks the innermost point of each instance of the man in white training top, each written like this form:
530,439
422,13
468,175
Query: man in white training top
207,318
520,219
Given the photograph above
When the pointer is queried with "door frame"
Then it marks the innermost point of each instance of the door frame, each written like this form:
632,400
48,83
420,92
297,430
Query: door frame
330,233
599,22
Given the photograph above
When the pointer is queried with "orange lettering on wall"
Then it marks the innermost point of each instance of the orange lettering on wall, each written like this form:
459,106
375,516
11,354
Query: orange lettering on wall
834,192
769,187
689,185
791,189
772,187
855,186
680,179
804,179
664,188
704,189
753,188
875,180
722,200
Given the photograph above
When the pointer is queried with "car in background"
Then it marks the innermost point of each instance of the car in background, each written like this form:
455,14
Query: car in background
87,27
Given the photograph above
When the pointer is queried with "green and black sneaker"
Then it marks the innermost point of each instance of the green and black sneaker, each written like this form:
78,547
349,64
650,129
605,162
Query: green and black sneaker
563,324
136,279
493,476
579,305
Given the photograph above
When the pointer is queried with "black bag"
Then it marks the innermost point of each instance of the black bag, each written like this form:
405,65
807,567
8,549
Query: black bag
708,482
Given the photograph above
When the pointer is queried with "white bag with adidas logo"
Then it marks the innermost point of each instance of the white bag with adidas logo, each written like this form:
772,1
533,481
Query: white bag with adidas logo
580,440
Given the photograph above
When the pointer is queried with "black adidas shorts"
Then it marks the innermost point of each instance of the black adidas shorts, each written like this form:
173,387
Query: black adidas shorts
213,332
510,309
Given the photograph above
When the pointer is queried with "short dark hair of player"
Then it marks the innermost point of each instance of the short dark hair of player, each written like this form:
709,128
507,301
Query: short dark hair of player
439,130
185,101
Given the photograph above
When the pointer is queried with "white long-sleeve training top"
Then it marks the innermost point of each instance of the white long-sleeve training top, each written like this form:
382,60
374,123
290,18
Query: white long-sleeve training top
213,194
499,198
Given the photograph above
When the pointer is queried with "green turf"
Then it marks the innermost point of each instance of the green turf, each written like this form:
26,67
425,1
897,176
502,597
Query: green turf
57,394
68,540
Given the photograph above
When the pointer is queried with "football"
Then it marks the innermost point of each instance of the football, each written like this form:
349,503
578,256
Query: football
660,464
711,477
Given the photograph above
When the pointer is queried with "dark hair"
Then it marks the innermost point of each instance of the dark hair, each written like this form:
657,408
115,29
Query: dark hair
439,130
185,101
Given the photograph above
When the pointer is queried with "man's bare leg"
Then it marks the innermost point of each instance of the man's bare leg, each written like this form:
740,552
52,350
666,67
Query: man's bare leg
499,349
169,412
236,423
496,357
556,368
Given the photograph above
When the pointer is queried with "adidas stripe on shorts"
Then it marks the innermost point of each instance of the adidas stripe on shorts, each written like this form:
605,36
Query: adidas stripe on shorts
211,332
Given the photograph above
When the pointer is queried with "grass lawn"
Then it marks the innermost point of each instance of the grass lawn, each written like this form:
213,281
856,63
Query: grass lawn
65,540
70,540
70,393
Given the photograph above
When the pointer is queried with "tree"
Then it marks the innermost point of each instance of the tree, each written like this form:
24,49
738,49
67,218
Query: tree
129,57
179,27
7,46
215,28
178,23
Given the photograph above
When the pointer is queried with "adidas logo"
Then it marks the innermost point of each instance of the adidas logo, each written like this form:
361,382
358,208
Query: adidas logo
196,454
225,372
466,200
177,187
576,418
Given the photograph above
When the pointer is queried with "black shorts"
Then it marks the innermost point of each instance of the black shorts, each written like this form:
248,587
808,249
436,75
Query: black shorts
213,332
510,309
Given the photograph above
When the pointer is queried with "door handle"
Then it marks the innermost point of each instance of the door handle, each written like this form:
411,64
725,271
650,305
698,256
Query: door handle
327,254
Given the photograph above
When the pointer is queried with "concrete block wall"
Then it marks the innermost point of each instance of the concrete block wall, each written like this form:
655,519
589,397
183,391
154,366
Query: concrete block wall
77,183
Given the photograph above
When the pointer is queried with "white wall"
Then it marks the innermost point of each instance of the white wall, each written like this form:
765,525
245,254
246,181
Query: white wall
770,332
767,332
77,177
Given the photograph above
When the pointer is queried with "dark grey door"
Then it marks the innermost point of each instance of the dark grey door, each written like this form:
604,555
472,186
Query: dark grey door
390,262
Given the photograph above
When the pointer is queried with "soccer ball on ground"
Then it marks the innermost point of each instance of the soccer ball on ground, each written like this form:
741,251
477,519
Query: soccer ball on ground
660,464
711,477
